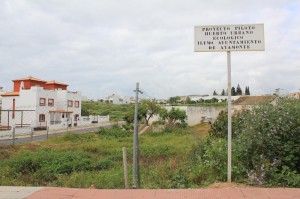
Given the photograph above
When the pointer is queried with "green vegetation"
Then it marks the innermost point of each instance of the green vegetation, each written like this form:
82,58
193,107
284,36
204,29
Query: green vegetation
146,110
266,144
82,160
266,148
115,111
172,116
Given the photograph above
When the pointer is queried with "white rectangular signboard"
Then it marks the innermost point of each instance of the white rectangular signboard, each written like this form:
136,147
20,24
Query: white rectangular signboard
246,37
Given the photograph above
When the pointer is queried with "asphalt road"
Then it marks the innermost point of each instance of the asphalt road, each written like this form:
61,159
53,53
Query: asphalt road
30,138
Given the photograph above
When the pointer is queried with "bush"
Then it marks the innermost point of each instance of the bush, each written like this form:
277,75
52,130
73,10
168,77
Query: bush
44,165
209,161
266,141
103,164
114,132
178,129
269,140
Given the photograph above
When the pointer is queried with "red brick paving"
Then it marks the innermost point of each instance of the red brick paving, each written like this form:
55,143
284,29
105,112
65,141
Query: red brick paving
211,193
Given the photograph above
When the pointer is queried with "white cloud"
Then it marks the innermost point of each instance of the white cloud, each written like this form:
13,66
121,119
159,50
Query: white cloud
101,47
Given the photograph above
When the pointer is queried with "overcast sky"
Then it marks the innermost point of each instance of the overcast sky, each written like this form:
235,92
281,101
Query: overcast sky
100,47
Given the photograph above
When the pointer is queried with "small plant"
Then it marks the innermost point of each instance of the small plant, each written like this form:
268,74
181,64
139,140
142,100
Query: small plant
72,137
114,132
103,164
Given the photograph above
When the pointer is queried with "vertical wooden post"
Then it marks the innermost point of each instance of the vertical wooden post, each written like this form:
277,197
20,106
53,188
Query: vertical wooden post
125,167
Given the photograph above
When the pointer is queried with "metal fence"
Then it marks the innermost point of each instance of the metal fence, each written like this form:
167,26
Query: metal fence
20,123
17,118
28,134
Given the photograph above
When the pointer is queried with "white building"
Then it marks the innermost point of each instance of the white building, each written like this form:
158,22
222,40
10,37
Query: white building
210,97
40,104
295,95
117,99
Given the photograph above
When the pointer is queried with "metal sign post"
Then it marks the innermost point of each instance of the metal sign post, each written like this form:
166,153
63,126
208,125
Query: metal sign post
227,38
229,116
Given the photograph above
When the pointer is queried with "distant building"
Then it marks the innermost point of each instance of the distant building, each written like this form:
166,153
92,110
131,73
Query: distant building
295,95
117,99
247,102
203,98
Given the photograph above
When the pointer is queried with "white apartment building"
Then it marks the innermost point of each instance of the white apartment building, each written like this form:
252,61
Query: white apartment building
39,104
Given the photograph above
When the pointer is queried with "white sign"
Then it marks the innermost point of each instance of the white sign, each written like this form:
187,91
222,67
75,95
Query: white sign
247,37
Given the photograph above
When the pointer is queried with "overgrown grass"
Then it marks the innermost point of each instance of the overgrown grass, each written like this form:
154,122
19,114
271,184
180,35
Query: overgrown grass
115,111
82,160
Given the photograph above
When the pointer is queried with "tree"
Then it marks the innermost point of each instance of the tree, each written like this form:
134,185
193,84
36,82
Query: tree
84,111
239,90
188,100
277,92
173,100
233,93
215,93
129,116
148,108
173,115
223,92
247,91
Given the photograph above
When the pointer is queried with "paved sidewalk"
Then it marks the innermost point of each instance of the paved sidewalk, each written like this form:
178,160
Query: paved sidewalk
210,193
17,192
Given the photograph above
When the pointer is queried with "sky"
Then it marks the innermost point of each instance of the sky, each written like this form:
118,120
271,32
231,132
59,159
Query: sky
101,47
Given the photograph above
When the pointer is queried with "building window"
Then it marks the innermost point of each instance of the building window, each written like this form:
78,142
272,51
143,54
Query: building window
76,104
42,101
70,103
42,118
50,102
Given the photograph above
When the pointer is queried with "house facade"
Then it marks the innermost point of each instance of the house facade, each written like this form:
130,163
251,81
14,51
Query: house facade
40,104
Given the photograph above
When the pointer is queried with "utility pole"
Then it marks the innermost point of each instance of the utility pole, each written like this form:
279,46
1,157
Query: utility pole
135,166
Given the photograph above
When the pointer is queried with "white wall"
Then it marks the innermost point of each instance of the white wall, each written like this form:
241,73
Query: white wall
195,113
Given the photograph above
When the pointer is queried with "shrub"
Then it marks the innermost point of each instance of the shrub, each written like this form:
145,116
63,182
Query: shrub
269,140
266,141
44,165
103,164
209,161
71,137
114,132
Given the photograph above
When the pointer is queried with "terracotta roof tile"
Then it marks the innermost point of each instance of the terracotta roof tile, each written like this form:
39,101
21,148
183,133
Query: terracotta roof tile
56,82
30,78
252,100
